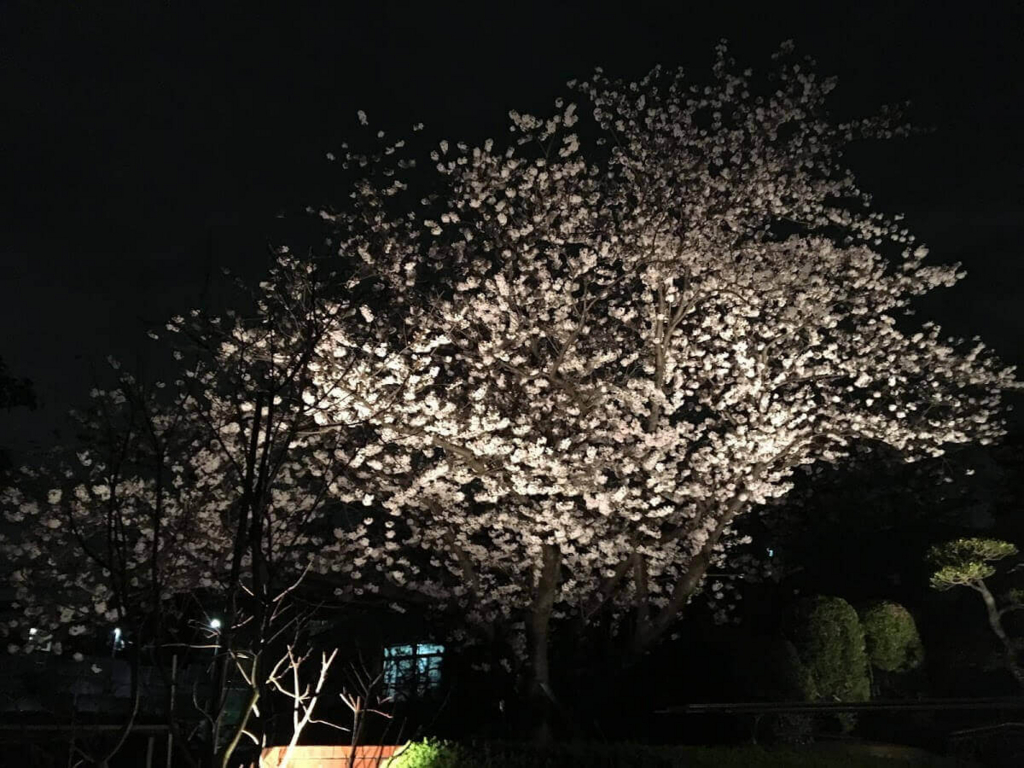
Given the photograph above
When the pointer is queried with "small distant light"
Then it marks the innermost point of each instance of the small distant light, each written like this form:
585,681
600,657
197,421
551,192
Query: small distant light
214,623
771,552
33,632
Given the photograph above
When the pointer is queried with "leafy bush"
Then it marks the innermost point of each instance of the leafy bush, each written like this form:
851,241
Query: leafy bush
830,641
430,754
891,638
770,669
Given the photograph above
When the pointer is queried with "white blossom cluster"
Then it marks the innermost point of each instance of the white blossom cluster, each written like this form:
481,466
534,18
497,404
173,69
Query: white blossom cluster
617,345
607,340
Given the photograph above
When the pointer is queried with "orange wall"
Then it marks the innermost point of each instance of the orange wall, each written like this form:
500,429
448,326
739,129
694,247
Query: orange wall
369,756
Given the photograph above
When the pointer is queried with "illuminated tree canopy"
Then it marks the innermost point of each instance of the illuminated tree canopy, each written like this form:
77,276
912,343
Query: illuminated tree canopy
550,385
595,349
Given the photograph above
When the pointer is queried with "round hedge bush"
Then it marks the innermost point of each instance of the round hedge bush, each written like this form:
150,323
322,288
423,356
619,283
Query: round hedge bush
891,638
830,641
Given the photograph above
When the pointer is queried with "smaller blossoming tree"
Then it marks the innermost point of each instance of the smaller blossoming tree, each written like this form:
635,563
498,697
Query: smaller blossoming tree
193,511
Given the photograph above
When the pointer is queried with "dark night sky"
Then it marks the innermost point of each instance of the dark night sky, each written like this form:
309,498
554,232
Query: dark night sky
147,145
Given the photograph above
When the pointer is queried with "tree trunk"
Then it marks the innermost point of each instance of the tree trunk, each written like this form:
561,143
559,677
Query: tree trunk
650,630
539,693
996,622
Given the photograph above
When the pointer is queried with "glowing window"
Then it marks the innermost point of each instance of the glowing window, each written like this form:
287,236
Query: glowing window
412,671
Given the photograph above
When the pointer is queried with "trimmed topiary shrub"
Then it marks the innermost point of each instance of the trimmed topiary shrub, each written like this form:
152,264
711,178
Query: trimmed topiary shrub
891,638
830,642
829,639
769,669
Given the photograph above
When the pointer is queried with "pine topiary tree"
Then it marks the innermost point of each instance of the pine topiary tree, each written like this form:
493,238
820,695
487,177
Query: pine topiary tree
967,563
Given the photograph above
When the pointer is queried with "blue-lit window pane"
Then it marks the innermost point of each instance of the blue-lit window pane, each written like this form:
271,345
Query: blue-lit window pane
433,673
412,671
405,669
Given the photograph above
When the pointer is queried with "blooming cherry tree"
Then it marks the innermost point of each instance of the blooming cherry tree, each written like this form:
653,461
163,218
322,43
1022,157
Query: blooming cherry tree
595,349
549,386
